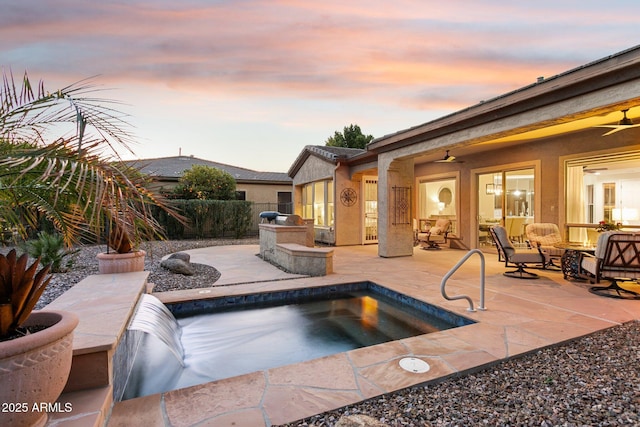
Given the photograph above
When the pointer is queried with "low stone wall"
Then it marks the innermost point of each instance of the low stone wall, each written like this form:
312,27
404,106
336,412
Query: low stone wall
273,234
102,347
291,247
300,259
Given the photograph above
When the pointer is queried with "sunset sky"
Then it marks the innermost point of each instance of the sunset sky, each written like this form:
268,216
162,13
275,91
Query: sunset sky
251,82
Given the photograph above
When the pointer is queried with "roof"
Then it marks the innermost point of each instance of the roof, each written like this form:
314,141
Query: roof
327,153
588,78
172,168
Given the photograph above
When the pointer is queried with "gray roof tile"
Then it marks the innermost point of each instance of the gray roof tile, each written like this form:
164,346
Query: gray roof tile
174,167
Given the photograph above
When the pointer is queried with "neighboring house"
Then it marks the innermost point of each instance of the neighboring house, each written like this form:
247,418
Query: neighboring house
262,188
537,154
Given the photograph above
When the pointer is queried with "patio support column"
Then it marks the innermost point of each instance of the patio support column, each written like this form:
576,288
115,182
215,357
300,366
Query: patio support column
395,211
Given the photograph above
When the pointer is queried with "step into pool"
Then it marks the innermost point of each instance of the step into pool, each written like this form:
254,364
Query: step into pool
230,336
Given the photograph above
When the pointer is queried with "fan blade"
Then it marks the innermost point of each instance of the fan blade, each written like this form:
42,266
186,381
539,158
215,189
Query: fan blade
616,128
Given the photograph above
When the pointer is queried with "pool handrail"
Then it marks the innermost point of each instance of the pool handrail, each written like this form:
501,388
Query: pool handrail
454,269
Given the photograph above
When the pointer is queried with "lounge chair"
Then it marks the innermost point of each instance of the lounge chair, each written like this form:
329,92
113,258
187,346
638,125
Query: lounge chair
434,235
616,258
520,258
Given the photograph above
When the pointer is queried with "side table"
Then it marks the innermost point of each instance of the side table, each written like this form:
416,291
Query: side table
570,261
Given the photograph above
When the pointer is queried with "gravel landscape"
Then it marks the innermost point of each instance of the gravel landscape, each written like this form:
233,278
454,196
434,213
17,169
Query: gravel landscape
593,381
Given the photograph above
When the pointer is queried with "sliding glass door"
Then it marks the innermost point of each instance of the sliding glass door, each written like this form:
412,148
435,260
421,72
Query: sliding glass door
505,198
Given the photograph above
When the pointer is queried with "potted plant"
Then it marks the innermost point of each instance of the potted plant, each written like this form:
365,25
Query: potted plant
36,348
608,226
126,256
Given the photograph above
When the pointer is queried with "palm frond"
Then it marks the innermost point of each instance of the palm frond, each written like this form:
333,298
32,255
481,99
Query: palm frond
70,180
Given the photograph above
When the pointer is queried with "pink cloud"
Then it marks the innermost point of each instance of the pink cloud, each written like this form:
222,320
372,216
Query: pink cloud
403,56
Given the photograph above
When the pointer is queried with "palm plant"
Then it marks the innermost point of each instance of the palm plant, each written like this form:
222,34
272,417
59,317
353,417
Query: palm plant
73,181
49,249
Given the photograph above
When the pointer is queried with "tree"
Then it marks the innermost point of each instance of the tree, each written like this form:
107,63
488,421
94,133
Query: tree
351,137
206,183
70,180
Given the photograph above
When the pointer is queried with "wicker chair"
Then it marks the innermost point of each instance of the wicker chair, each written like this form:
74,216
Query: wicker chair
545,235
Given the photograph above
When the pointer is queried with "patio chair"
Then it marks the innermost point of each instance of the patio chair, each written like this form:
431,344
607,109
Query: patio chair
515,228
545,235
520,258
616,258
434,235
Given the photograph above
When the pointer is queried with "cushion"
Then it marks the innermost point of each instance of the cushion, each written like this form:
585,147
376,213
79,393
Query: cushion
589,263
435,230
544,233
526,255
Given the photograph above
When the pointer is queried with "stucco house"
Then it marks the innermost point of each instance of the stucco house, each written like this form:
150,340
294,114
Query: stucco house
563,149
263,188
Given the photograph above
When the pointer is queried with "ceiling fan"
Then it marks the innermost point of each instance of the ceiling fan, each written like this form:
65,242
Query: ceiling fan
448,159
625,123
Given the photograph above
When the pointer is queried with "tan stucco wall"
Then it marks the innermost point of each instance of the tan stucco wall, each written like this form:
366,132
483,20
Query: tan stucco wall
263,193
394,239
314,169
348,218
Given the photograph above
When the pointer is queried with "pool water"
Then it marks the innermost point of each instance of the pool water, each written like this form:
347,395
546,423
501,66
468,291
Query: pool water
245,338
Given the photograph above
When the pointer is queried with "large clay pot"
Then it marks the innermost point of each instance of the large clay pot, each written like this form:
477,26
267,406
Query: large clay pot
34,368
121,263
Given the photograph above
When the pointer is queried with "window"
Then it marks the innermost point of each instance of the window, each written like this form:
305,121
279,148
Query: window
602,188
609,191
590,204
284,202
307,201
318,202
436,199
241,195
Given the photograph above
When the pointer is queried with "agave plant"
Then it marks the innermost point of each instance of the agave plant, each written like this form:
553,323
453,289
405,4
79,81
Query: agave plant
74,181
20,289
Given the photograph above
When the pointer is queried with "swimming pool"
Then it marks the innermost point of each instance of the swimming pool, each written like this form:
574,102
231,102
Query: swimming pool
230,336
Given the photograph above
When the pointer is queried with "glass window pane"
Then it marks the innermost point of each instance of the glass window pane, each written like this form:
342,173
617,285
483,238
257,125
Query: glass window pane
319,204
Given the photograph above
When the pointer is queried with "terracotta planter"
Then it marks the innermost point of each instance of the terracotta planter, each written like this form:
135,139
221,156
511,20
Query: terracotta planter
34,368
121,263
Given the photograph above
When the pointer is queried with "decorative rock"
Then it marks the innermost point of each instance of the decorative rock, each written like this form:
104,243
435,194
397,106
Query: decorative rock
177,266
181,255
359,420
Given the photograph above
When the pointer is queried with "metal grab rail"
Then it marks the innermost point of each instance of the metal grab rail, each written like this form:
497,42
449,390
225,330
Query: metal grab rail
454,269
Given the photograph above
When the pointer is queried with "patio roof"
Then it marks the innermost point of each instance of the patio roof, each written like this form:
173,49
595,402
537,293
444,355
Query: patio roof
544,108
